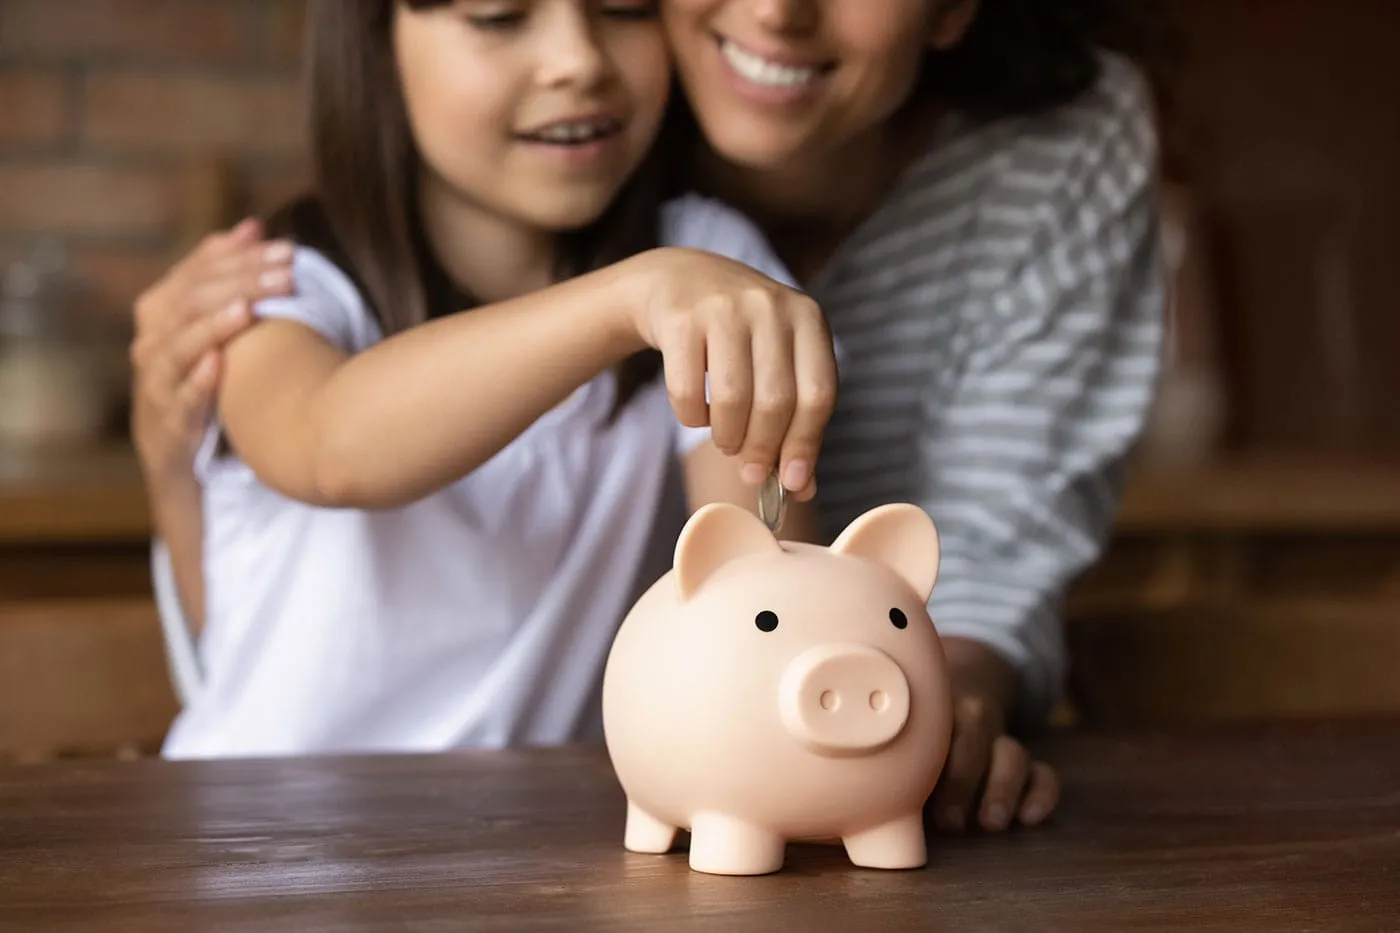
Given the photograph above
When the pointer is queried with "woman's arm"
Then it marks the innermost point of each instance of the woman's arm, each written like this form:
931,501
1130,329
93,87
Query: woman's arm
391,424
1022,466
180,326
178,514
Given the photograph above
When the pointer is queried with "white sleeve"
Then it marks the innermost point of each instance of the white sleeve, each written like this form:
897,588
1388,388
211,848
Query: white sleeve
697,222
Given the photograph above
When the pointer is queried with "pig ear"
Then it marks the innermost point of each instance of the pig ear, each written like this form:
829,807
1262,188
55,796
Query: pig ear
900,536
715,535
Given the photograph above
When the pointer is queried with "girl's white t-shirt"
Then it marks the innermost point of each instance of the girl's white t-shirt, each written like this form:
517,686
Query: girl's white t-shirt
481,615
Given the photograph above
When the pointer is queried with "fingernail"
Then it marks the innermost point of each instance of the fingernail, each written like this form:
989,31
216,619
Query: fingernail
1033,814
796,475
236,310
275,280
278,252
996,817
953,817
753,473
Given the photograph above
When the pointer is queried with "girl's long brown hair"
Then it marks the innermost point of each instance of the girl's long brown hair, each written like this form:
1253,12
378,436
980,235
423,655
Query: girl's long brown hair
362,211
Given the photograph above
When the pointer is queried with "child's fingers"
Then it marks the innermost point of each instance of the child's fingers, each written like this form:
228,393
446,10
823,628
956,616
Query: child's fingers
1042,795
815,374
774,396
806,493
1006,779
683,351
729,352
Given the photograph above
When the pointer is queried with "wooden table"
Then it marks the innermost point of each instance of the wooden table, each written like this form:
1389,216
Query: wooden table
1283,828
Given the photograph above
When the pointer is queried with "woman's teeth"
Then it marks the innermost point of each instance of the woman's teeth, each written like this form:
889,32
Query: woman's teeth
760,70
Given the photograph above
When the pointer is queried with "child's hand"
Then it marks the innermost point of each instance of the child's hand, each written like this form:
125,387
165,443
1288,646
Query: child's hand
983,759
766,348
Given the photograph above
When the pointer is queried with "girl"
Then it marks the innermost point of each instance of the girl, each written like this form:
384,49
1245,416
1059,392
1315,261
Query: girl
361,594
967,187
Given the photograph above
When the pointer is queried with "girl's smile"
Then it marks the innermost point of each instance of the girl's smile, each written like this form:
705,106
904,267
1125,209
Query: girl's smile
581,141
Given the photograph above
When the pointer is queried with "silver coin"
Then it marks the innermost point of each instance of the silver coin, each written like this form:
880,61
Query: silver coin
772,503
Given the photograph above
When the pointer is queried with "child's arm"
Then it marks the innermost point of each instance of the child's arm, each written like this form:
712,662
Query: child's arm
407,416
411,414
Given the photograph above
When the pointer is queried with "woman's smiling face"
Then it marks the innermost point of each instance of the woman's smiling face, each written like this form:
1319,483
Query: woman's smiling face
776,81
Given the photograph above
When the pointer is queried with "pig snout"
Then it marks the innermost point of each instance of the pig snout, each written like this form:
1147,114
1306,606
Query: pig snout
844,699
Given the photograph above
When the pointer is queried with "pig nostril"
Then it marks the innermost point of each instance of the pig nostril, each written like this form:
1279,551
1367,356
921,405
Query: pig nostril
844,699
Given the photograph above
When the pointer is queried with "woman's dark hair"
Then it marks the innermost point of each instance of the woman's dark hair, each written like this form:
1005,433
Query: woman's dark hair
1023,56
363,212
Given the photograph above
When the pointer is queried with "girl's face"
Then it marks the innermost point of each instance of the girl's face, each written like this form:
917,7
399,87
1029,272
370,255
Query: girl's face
534,111
774,82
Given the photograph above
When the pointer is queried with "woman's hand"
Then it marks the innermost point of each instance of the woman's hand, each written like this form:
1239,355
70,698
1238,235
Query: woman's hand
181,325
767,352
990,777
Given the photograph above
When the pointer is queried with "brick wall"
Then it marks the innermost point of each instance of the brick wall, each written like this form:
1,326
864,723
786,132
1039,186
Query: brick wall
127,127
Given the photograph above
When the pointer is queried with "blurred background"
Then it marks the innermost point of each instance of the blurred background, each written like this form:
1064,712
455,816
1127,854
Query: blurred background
1255,569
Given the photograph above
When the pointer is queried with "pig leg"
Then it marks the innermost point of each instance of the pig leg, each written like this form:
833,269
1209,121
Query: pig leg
896,844
645,833
724,845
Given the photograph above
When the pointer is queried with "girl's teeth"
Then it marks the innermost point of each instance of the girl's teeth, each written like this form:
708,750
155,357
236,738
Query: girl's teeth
761,71
573,132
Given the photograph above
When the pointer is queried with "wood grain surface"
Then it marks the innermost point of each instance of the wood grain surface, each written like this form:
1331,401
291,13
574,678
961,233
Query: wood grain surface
1266,828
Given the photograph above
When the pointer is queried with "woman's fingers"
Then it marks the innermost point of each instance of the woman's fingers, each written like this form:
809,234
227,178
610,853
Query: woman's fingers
249,275
1042,795
1006,779
206,334
969,756
195,396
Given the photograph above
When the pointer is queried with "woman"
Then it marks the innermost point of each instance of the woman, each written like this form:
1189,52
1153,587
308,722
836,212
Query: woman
967,188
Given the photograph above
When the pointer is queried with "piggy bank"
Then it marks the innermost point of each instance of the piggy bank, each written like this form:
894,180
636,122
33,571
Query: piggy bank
764,692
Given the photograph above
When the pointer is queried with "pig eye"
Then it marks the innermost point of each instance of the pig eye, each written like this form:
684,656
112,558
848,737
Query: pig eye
766,621
900,620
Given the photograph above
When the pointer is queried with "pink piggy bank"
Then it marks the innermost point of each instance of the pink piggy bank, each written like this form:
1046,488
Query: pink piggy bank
764,692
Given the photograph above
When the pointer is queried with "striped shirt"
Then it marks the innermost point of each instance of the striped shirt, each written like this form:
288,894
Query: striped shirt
1001,316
